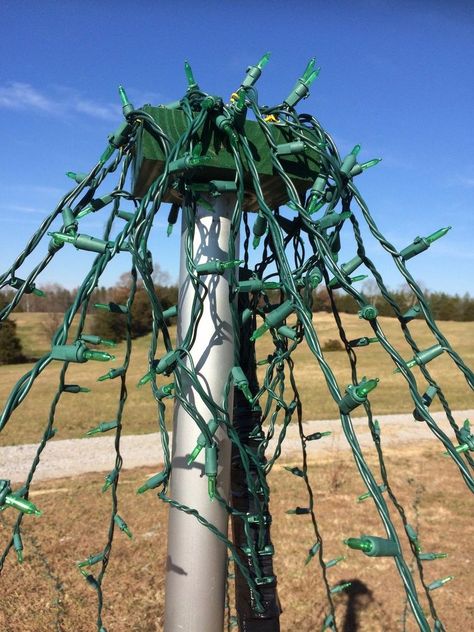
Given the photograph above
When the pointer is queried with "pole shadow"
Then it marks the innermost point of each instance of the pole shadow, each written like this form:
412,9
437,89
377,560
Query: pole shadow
359,597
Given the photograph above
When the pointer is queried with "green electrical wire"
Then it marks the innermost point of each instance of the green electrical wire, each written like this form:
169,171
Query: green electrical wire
297,255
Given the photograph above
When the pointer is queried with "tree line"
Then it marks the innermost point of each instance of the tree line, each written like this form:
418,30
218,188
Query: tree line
57,299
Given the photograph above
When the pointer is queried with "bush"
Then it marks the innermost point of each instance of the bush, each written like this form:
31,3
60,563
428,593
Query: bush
10,345
333,345
113,326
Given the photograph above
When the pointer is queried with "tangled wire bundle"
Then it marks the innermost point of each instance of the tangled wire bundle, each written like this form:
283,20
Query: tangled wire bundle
270,157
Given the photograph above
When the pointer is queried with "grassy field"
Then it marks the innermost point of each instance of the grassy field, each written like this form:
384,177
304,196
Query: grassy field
48,593
78,412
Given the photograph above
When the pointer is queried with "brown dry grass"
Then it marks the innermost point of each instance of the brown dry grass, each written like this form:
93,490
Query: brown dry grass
48,593
78,413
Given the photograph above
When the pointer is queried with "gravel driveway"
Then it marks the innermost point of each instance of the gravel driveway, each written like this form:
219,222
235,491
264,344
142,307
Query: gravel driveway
72,457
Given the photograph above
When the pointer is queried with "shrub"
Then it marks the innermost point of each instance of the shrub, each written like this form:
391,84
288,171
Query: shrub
113,326
333,345
10,345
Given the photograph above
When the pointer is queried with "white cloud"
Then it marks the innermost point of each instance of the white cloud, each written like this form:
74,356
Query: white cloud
23,209
61,102
466,182
19,96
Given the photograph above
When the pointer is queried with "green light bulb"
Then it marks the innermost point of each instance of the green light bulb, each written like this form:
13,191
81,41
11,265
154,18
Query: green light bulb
440,582
22,504
310,78
318,435
93,559
18,545
145,379
211,487
122,525
106,154
254,72
264,61
80,177
374,546
301,89
432,556
312,552
216,266
364,388
123,95
103,427
194,454
50,433
153,482
438,234
358,544
112,374
210,469
62,238
309,68
127,107
328,623
370,163
99,356
188,71
423,357
362,342
274,319
112,307
241,382
295,470
340,587
335,561
359,277
362,497
110,480
202,440
75,388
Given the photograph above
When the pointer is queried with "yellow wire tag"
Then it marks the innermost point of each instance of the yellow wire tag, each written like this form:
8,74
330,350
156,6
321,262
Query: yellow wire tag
271,118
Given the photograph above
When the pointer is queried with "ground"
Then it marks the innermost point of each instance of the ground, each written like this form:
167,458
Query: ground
47,592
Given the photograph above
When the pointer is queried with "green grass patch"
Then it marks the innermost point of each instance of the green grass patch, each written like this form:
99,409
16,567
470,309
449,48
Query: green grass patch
77,413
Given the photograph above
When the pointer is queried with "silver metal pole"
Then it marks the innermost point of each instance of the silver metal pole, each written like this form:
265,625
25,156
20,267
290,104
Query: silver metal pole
196,563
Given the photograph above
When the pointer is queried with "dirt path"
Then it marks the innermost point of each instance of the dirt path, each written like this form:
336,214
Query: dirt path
72,457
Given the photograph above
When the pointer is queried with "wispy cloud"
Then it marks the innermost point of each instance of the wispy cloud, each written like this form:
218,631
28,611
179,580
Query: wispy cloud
468,182
22,209
59,102
14,219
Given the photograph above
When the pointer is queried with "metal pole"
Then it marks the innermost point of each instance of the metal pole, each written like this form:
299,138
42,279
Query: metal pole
196,562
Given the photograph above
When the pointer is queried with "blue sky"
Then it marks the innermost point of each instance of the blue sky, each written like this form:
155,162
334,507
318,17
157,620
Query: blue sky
395,77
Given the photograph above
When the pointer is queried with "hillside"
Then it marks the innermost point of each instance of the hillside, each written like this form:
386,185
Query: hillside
78,412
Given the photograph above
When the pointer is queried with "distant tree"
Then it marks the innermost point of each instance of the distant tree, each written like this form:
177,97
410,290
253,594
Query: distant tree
110,325
346,303
10,345
321,302
50,323
467,307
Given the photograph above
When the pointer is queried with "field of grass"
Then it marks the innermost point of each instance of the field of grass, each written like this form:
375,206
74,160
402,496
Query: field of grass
47,591
78,412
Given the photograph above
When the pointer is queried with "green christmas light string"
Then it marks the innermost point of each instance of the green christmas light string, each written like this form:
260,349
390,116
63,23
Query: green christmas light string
313,239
